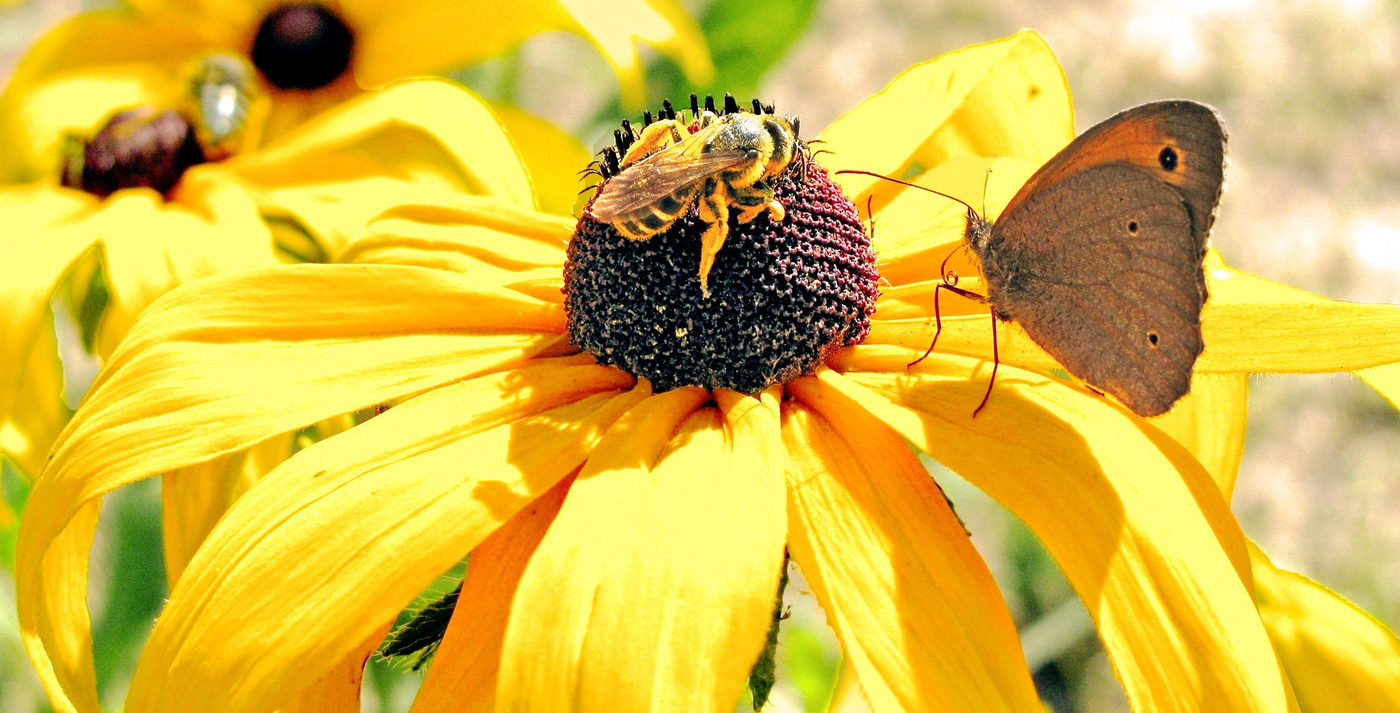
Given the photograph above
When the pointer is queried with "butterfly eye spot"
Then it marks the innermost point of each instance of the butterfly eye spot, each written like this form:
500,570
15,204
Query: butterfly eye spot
1152,338
1168,158
1132,227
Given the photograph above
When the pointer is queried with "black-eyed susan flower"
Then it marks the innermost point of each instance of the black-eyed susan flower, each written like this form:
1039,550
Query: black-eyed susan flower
309,56
299,198
625,544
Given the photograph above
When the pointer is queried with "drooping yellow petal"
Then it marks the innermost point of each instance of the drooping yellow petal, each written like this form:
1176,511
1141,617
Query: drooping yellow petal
1137,525
63,660
388,147
664,560
332,544
1002,98
393,44
915,606
195,497
1210,422
462,678
1338,658
228,361
552,157
1252,324
338,690
81,73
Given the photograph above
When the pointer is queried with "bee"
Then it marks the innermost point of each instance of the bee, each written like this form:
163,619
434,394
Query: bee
223,104
723,160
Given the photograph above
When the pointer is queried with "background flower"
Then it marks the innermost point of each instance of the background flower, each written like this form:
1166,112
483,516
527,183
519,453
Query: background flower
102,61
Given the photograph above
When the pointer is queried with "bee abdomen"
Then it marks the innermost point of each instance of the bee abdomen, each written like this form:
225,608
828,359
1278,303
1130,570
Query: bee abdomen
656,218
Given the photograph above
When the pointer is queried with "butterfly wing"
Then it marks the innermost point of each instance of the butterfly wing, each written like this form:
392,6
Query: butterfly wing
1180,142
1103,270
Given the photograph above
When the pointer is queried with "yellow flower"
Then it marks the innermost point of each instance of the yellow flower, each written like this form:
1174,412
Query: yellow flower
311,55
624,545
306,193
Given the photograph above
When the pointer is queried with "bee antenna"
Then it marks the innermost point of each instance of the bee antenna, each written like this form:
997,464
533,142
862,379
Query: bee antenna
710,104
906,183
730,105
694,105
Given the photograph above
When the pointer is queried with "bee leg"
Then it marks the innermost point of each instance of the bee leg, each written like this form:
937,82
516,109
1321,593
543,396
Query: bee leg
714,210
757,199
655,137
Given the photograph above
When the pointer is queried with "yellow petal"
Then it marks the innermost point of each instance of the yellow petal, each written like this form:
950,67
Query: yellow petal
1136,524
338,690
1339,658
229,361
195,497
150,246
915,606
495,242
1002,98
81,73
552,157
462,678
60,652
655,586
1384,379
332,544
1210,422
1252,324
341,169
918,235
36,258
406,38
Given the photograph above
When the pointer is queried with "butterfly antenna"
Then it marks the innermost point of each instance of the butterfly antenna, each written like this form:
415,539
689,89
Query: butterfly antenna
986,180
906,183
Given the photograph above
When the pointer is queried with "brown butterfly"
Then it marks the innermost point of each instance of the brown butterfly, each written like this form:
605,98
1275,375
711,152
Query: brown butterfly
1099,255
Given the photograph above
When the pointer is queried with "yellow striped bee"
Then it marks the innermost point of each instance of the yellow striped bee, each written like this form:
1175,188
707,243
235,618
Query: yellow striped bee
725,162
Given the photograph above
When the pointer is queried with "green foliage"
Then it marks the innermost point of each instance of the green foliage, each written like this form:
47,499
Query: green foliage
15,491
764,673
135,587
420,628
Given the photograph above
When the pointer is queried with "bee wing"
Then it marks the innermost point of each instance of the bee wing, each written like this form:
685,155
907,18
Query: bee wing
657,176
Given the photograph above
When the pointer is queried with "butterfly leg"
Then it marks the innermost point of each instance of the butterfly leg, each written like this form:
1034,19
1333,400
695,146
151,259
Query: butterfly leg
950,284
996,362
714,210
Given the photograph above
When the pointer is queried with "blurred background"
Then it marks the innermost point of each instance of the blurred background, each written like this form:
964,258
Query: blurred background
1309,95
